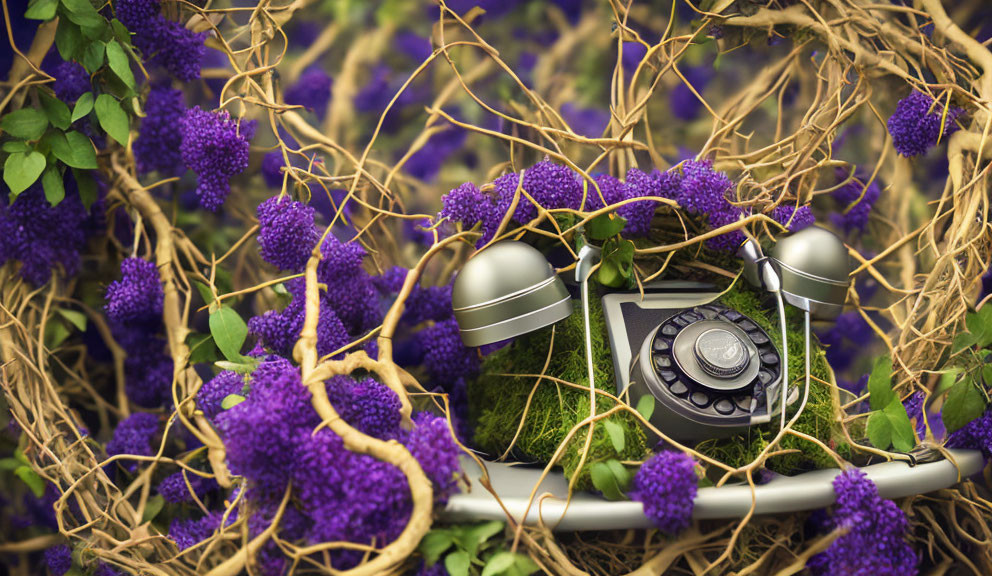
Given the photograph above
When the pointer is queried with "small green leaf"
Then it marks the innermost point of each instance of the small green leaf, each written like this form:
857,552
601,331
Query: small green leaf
22,170
76,318
964,403
457,563
68,39
25,124
987,375
435,544
609,275
112,118
41,9
92,56
606,226
231,400
55,109
604,479
119,63
74,149
121,32
477,535
83,13
499,563
35,482
524,566
947,379
88,192
55,333
229,332
84,105
205,293
51,181
981,321
880,383
616,434
9,464
879,430
202,348
963,340
239,367
903,437
153,506
645,406
16,146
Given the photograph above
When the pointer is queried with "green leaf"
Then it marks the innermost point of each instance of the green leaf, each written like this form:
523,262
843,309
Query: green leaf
41,9
55,333
609,275
35,482
457,563
229,332
16,146
963,340
55,109
112,118
9,464
616,434
88,192
205,293
606,226
153,506
903,437
879,430
231,400
987,375
947,379
68,39
980,324
84,105
645,406
499,563
607,480
435,544
76,318
246,367
119,63
22,170
475,536
880,383
524,566
51,181
83,13
74,149
121,32
202,348
25,124
91,56
964,403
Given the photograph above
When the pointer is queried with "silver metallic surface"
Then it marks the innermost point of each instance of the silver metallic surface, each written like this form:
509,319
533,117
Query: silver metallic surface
814,266
783,494
507,290
687,354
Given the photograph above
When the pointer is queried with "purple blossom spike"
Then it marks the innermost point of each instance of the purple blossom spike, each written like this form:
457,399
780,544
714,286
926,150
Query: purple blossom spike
446,358
213,392
286,234
215,147
312,91
58,559
666,485
157,147
134,436
916,124
138,295
795,219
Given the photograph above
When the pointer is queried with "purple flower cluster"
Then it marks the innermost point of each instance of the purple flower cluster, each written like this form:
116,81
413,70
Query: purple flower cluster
134,436
466,204
976,435
874,543
71,81
270,439
446,357
160,137
134,307
704,191
137,296
312,91
213,392
107,570
916,123
795,219
279,330
58,559
845,339
188,532
286,234
856,219
176,491
666,485
163,42
550,185
42,237
350,290
215,146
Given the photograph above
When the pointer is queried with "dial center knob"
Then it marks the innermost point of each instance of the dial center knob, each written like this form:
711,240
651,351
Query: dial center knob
721,353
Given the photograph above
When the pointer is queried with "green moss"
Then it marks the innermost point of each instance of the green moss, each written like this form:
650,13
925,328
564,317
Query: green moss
498,402
816,420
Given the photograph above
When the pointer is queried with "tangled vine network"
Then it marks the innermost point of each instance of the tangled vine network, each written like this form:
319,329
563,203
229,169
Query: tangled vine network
229,232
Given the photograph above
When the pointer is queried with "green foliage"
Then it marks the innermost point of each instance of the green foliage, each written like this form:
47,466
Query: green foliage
888,424
617,267
968,376
112,118
474,549
21,170
611,478
817,419
497,402
229,332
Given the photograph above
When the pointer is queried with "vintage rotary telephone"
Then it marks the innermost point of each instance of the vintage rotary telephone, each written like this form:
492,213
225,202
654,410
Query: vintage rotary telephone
678,345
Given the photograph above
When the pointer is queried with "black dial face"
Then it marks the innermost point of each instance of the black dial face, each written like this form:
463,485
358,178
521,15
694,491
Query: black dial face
715,359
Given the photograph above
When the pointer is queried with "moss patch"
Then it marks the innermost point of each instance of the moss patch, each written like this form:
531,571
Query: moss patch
497,402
